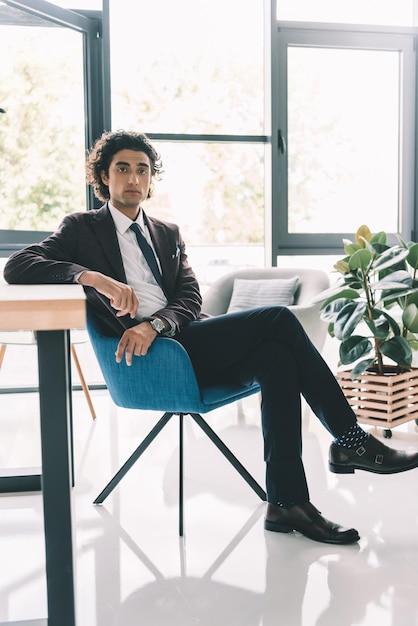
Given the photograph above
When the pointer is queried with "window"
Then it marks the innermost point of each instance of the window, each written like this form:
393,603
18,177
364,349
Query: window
191,75
43,129
188,67
345,122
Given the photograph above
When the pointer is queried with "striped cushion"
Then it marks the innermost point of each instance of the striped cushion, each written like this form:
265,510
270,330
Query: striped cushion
249,293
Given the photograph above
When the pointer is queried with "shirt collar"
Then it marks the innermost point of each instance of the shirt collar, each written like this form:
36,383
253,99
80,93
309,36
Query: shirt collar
122,222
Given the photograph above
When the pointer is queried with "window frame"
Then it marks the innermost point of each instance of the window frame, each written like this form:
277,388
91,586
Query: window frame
89,24
285,34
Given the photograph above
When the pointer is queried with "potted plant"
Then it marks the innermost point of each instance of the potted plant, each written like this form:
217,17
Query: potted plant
373,311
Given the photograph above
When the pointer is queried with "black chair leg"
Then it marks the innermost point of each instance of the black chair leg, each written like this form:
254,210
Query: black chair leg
181,474
229,455
150,438
133,458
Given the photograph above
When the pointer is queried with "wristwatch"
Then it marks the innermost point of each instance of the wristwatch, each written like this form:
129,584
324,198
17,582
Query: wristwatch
157,324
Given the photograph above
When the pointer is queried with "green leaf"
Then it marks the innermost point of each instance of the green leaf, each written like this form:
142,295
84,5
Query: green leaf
413,297
412,257
348,319
333,293
331,309
401,266
361,260
395,294
379,327
350,247
361,367
402,242
354,348
342,266
390,257
395,280
410,318
397,349
394,325
379,237
413,342
353,282
377,247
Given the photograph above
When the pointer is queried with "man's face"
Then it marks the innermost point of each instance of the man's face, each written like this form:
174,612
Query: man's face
128,180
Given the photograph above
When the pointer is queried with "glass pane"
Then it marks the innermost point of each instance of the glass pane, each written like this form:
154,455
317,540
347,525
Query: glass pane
220,210
42,145
379,12
187,66
343,137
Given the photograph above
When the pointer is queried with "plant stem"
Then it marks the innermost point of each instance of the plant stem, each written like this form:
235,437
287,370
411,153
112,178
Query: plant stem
370,304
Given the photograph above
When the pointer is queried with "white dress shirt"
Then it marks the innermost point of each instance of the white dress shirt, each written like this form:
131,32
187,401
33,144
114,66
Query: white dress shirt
138,273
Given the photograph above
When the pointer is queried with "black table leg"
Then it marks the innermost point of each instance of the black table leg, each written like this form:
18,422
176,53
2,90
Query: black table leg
55,415
21,479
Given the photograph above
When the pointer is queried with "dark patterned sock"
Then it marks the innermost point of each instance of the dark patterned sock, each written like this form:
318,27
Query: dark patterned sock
352,438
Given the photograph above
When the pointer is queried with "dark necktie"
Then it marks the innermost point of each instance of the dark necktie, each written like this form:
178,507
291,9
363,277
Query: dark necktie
148,253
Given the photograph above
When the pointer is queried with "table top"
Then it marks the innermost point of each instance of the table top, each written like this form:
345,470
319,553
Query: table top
42,307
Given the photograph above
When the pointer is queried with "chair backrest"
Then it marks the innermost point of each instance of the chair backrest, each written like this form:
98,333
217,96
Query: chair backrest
312,281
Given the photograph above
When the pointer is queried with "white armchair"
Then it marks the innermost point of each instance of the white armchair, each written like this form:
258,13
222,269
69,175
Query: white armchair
312,281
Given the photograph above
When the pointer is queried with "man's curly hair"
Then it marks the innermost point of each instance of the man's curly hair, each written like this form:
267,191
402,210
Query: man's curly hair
103,150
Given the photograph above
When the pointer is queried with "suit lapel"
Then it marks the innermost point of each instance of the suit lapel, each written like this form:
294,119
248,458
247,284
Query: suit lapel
104,230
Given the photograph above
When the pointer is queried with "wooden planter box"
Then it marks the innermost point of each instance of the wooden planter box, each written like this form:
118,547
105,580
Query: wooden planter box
386,401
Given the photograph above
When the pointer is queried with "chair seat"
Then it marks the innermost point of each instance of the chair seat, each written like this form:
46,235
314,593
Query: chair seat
213,397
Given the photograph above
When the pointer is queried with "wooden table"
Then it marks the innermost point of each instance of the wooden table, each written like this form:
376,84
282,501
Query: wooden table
51,311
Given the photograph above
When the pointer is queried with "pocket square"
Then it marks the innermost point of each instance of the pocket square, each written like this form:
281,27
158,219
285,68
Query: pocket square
177,252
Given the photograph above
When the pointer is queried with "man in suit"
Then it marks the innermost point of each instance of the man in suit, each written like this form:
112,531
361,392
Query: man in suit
139,283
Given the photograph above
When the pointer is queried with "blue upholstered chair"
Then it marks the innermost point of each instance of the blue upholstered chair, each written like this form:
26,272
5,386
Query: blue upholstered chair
164,380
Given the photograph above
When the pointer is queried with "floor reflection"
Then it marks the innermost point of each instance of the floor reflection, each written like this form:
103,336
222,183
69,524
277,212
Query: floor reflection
180,600
133,569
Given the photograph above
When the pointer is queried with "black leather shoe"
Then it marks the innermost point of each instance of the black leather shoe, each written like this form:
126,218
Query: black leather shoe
306,519
371,456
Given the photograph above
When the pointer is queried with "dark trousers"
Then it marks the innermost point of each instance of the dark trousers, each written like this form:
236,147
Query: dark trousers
270,346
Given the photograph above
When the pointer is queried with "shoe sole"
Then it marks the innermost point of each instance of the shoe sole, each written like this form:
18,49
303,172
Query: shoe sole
277,528
281,528
350,469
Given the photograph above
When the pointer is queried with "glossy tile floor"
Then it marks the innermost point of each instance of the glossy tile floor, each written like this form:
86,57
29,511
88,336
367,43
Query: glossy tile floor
132,569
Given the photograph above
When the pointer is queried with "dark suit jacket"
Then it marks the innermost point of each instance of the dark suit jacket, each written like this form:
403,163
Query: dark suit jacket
88,241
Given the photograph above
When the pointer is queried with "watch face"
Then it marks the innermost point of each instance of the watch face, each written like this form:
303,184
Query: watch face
157,325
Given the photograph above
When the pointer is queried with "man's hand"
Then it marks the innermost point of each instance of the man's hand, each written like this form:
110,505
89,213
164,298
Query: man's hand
135,340
122,297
